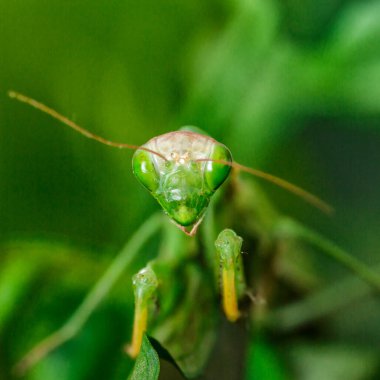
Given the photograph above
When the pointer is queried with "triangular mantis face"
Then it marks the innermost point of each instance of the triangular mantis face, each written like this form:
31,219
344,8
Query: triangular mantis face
184,174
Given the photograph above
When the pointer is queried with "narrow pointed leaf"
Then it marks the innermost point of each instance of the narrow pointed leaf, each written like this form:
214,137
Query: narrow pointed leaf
147,364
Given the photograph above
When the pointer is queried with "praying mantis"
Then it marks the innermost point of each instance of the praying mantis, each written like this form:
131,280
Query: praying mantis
183,171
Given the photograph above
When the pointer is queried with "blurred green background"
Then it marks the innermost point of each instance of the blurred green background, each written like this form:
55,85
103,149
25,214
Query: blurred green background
292,87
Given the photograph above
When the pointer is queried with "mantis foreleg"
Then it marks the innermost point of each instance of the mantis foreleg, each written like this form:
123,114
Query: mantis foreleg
228,247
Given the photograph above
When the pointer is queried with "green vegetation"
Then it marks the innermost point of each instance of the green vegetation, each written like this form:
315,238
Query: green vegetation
290,88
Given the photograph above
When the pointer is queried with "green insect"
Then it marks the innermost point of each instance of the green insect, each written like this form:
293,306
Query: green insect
182,170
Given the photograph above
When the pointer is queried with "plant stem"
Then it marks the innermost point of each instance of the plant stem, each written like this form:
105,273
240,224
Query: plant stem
94,297
323,302
289,228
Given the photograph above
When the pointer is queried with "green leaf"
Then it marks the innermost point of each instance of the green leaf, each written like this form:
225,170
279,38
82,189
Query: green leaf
16,277
147,364
165,355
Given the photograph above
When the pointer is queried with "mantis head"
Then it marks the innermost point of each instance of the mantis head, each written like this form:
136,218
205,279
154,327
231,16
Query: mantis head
184,175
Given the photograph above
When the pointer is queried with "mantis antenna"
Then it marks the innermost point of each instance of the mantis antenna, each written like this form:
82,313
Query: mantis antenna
298,191
308,197
63,119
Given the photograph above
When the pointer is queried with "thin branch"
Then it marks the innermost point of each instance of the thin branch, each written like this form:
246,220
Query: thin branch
93,298
290,228
320,304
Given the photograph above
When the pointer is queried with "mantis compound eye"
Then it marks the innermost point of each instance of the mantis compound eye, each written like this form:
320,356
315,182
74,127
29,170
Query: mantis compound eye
144,170
216,172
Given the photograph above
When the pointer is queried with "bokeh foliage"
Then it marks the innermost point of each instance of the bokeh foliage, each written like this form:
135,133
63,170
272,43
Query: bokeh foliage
291,87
